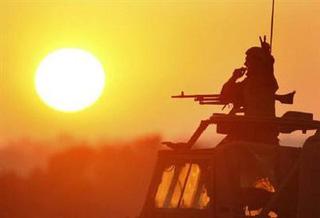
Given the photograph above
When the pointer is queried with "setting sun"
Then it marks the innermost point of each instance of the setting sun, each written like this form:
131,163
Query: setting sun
69,79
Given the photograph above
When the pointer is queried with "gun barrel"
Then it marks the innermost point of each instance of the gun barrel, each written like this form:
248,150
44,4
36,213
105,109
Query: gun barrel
196,96
182,95
212,99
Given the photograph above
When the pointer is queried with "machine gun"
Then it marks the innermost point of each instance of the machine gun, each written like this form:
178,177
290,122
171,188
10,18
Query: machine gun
214,99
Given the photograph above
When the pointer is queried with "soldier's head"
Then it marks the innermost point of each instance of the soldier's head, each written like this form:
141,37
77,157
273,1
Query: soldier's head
257,58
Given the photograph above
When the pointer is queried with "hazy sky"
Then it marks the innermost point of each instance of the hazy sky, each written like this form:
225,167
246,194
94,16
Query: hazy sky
150,50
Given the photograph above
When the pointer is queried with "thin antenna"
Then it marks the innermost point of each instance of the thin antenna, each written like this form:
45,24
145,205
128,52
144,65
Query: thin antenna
271,32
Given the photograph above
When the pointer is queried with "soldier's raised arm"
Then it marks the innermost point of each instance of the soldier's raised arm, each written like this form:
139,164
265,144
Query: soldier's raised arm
231,88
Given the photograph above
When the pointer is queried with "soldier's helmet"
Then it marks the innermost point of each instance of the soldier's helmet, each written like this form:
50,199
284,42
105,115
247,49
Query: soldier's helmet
259,56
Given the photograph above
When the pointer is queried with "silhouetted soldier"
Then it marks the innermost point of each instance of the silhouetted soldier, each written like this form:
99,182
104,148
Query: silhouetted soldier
255,94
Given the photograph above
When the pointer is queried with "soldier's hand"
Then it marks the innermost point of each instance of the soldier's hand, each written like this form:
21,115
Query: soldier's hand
264,44
238,73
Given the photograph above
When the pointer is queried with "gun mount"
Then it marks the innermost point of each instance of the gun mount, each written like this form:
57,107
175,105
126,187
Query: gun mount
291,121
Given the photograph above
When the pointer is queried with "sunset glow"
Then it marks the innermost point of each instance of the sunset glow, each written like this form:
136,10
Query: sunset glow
150,51
69,80
94,122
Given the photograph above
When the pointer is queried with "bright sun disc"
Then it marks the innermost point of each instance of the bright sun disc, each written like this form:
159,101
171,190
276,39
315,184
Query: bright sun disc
69,79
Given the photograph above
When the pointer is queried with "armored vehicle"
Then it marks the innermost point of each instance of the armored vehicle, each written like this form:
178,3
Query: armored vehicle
239,178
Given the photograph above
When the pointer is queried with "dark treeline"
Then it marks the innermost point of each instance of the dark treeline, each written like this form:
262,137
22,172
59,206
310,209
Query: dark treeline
82,181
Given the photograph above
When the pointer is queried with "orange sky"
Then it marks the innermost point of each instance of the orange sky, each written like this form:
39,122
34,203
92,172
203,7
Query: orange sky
150,51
